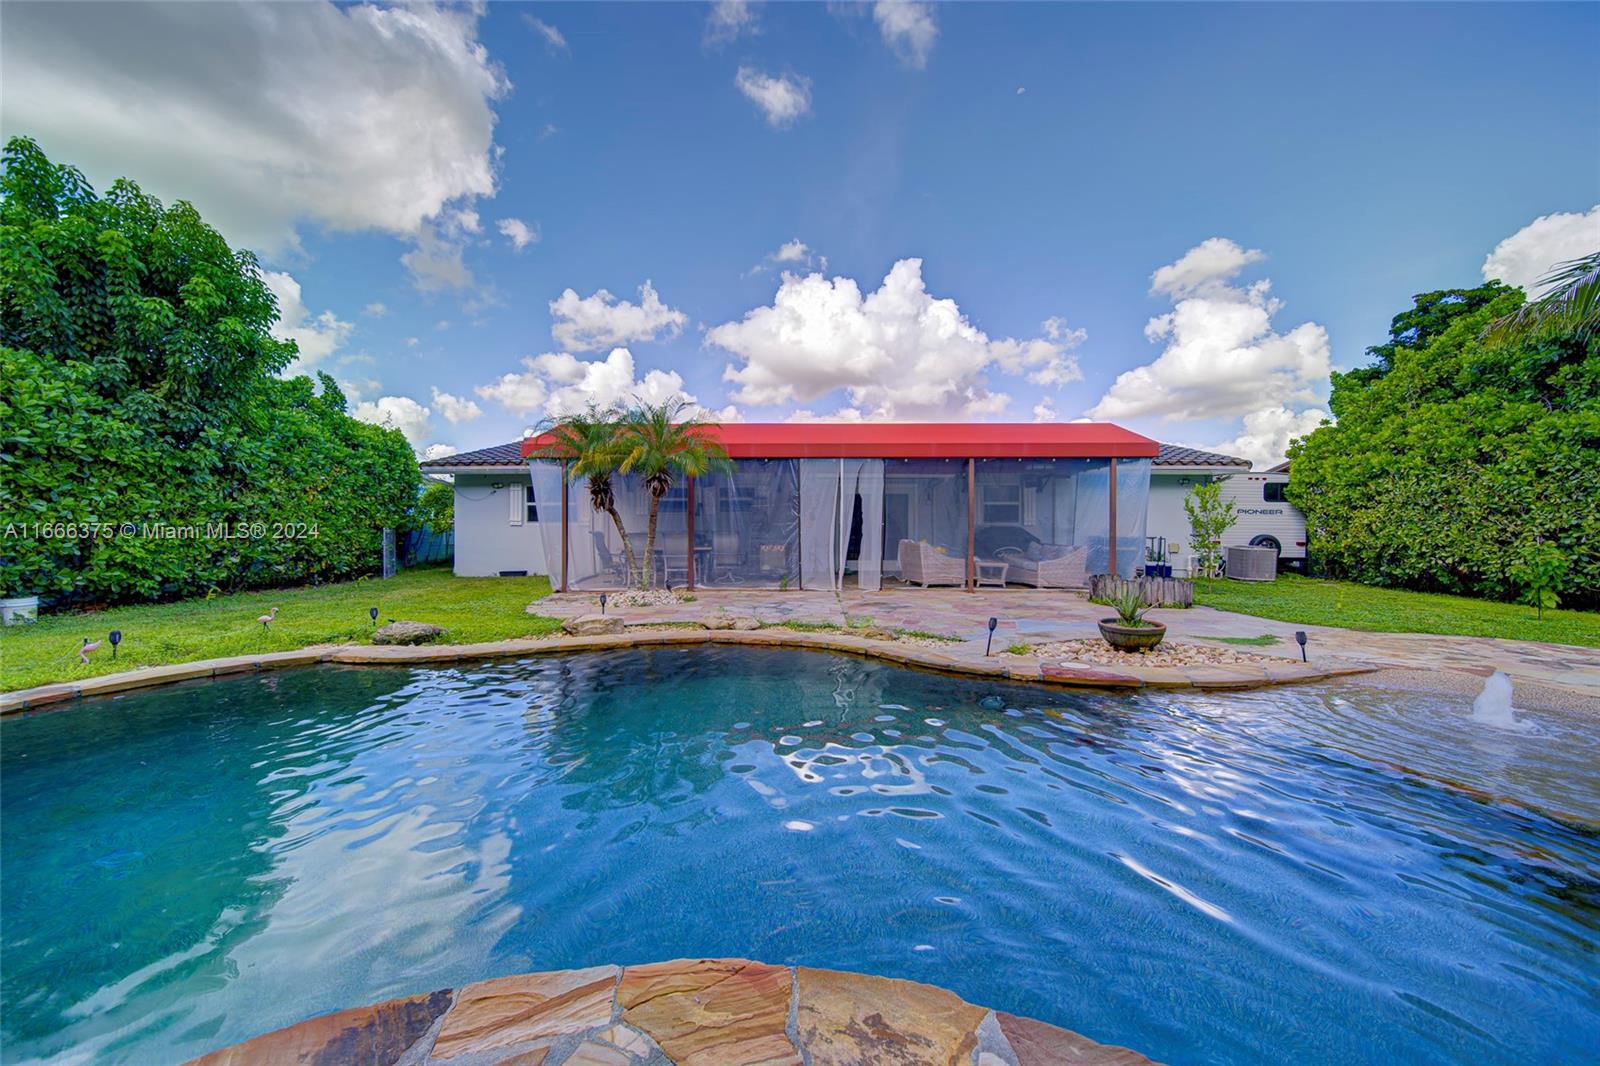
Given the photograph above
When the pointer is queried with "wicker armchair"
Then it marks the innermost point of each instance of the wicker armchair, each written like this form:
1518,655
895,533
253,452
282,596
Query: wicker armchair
924,565
1048,566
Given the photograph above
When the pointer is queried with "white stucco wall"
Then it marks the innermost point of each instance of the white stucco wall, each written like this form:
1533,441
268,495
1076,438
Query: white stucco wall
492,532
1167,518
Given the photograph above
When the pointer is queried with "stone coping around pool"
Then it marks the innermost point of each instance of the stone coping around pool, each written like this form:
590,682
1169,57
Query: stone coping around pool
957,659
695,1012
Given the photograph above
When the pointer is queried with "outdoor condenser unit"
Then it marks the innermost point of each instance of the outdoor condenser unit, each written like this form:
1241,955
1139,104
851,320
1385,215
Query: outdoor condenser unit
1252,564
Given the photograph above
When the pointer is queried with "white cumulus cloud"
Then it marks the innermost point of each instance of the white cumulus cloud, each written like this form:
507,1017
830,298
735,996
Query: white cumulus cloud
396,412
439,451
1264,440
728,20
1204,270
588,323
518,232
898,352
1222,357
456,409
908,28
795,253
317,335
1527,255
782,98
558,383
264,116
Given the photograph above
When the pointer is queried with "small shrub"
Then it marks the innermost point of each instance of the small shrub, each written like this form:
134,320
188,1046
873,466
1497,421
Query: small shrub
1539,573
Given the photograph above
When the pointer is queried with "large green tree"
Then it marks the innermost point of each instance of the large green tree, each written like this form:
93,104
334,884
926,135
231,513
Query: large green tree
142,389
1452,458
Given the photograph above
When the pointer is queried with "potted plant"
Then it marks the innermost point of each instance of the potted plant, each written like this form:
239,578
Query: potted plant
1129,631
19,610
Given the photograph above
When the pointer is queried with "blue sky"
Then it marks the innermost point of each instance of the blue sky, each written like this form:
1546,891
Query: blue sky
1042,162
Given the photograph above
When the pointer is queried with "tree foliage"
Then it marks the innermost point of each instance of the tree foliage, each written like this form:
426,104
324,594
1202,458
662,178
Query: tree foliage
1210,516
142,391
1571,305
1450,456
658,443
436,507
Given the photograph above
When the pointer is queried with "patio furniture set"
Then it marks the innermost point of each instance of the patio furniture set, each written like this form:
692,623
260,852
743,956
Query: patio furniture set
1040,565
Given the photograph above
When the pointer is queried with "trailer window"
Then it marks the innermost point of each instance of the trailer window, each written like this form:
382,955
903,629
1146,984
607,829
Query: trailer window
1272,492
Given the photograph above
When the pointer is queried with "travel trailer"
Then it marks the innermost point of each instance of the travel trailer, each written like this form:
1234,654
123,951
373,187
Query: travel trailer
1265,518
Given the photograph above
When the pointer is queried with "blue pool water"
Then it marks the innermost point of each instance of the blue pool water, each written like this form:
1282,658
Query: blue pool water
1341,874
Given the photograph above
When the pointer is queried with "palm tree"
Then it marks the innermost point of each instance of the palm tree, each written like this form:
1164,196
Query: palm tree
663,441
592,443
1571,304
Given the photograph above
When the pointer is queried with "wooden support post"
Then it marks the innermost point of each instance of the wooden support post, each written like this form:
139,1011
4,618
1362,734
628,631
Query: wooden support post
564,526
972,525
688,521
1112,565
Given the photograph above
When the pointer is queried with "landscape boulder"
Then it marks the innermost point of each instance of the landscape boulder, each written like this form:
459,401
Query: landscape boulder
731,621
591,625
407,633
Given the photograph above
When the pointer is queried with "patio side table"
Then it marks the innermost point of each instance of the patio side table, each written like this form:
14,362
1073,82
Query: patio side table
989,573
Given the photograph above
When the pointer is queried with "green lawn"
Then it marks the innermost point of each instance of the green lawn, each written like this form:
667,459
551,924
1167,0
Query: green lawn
468,608
1313,601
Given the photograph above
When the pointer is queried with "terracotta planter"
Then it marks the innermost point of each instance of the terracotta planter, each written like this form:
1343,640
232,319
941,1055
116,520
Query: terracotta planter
1132,638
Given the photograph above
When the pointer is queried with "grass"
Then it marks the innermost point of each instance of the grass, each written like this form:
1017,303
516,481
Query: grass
806,627
1265,640
1314,601
1019,649
923,634
469,609
856,625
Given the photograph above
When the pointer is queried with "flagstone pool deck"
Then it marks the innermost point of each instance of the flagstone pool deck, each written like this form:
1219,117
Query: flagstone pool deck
1544,676
695,1012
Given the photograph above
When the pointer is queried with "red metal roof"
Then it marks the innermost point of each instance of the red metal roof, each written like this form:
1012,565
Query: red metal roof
924,440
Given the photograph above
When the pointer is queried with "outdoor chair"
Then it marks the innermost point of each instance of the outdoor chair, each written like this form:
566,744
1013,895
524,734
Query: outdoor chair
609,564
925,565
1047,566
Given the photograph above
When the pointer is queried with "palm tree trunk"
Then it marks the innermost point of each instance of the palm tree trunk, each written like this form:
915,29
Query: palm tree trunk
650,540
627,545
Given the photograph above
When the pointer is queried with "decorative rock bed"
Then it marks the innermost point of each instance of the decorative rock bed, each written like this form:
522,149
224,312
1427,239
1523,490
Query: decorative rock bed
697,1012
1167,654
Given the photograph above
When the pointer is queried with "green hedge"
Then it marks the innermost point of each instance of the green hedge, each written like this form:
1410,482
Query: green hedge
1450,458
142,392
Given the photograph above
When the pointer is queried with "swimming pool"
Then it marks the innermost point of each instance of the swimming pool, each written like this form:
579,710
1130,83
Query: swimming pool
1309,874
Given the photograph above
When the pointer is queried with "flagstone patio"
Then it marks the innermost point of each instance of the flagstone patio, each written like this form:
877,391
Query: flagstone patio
1543,674
696,1012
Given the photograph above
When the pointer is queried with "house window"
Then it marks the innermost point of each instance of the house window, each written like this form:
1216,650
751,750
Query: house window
1002,505
523,507
1272,492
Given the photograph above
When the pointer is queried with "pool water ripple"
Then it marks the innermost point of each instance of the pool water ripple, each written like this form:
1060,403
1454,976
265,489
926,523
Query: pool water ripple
1333,874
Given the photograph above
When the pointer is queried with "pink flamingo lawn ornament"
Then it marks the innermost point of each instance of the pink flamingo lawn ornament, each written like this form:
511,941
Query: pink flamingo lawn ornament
87,647
267,618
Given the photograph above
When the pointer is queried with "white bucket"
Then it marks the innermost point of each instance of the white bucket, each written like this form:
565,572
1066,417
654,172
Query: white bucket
19,611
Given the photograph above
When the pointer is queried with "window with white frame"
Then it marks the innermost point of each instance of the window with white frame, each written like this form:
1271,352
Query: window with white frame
1002,504
523,506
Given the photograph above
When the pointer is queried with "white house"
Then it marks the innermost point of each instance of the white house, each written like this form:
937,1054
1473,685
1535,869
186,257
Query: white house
1265,518
497,519
497,531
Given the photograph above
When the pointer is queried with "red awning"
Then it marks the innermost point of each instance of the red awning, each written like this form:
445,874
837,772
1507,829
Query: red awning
922,440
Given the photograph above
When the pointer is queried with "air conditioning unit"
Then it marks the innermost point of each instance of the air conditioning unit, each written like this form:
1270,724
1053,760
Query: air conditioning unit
1252,564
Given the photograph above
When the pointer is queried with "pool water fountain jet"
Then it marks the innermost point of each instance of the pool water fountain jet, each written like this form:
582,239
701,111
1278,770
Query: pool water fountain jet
1493,705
